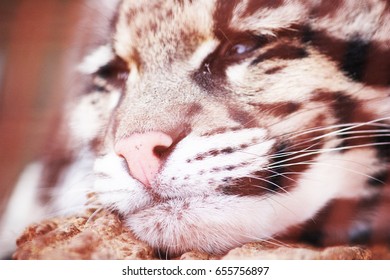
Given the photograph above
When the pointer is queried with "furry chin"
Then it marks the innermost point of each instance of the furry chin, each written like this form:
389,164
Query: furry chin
205,224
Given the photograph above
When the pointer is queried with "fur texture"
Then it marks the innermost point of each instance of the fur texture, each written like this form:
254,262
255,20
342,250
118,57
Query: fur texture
278,112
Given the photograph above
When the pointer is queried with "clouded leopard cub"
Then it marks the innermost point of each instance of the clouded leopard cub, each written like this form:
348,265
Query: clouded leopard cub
209,123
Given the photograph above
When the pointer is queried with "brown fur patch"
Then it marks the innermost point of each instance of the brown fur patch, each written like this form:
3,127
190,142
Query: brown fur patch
278,109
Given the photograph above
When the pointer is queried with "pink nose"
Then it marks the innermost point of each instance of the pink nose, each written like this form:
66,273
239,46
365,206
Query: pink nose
139,150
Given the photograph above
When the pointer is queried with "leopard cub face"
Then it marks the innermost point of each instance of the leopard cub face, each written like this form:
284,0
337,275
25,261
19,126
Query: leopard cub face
215,123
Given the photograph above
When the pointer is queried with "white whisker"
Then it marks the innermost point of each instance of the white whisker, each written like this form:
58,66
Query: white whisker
320,151
328,164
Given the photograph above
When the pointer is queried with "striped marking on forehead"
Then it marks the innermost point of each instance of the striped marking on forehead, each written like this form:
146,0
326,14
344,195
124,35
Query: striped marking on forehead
359,59
265,17
263,11
351,33
163,28
368,20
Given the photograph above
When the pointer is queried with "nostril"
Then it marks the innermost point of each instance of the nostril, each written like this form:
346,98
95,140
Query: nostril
160,151
143,153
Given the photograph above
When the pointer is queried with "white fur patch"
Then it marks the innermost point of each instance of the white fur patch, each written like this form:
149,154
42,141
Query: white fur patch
70,194
183,171
90,113
115,188
98,58
236,73
23,208
85,119
202,52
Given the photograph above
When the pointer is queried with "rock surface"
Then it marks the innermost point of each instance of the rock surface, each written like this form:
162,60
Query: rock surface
102,236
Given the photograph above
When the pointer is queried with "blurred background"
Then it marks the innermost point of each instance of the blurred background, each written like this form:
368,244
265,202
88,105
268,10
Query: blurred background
35,52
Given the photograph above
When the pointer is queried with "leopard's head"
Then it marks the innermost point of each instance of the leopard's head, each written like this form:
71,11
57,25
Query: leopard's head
216,123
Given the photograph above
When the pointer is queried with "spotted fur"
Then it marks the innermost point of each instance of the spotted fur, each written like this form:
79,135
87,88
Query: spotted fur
279,113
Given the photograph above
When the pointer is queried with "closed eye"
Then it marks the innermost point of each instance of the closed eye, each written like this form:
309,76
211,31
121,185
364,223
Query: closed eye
240,48
115,72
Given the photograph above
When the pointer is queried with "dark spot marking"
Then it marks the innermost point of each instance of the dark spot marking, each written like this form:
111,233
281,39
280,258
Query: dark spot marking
360,60
274,70
342,147
278,109
323,96
211,153
244,146
227,179
215,169
313,237
228,150
246,119
355,58
235,128
194,110
291,107
230,167
96,144
307,34
200,157
344,107
218,130
379,179
281,51
383,147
